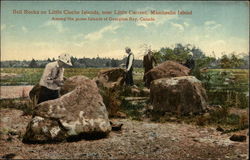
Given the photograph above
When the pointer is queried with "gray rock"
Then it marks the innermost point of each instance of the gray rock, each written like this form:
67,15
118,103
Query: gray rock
81,111
180,95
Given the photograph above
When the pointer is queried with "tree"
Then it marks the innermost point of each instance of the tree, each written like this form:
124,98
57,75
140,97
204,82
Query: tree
236,61
107,64
232,61
73,61
33,63
49,60
114,63
225,62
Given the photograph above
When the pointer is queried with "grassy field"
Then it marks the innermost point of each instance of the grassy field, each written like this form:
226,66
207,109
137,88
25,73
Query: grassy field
224,86
31,76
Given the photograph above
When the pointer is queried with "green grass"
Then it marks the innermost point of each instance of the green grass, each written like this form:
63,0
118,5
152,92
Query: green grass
24,76
227,87
31,76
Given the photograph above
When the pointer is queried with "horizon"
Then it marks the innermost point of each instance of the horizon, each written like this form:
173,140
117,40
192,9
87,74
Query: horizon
45,59
219,27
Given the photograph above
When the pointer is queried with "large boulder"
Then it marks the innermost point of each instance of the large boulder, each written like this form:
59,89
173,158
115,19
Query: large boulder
180,95
78,112
166,69
110,78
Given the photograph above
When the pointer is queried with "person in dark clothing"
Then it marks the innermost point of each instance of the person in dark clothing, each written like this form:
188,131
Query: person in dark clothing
149,63
190,63
129,67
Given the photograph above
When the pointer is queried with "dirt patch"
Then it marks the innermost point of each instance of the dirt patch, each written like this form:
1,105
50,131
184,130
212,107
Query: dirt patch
137,139
8,92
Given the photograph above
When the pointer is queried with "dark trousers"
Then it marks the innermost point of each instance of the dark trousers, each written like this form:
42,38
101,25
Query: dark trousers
47,94
129,78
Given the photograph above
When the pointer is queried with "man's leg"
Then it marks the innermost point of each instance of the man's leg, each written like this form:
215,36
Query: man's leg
47,94
131,81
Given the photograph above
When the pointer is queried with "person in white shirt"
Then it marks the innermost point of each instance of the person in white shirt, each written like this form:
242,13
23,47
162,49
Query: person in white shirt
52,78
129,67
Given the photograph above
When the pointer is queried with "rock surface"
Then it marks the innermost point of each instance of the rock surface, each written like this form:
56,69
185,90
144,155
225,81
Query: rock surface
166,69
180,95
109,78
80,111
71,83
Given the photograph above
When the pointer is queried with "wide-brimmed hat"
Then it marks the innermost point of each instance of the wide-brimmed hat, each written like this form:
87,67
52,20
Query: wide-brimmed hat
65,58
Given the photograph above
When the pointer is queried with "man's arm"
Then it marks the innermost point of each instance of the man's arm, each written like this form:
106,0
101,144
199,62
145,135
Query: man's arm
47,75
59,79
60,76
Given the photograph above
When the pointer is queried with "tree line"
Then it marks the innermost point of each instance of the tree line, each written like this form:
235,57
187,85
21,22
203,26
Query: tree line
178,53
76,62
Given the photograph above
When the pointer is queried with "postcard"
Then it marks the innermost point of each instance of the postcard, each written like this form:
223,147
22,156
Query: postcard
124,80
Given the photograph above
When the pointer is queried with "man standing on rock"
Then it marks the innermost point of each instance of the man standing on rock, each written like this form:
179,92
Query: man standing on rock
129,67
52,78
149,62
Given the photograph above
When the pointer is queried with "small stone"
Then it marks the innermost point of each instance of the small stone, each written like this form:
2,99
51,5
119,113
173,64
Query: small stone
238,138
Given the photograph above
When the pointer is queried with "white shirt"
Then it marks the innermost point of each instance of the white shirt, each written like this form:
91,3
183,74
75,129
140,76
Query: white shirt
130,62
52,72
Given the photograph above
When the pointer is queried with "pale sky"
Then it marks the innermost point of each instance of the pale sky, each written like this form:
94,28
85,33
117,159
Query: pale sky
213,26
